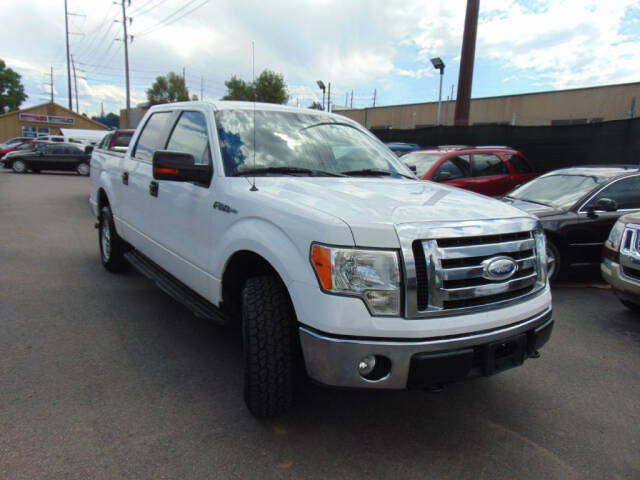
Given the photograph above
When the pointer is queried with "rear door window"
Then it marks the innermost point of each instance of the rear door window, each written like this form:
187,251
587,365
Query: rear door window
520,164
190,136
485,164
152,137
122,140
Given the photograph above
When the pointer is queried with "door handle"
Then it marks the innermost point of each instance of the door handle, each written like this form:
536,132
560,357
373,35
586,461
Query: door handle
153,188
125,178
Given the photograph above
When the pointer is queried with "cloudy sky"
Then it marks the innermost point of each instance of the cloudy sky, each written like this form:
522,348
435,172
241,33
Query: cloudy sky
357,45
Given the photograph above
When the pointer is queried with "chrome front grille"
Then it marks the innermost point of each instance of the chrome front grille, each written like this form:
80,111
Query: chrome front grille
450,266
630,252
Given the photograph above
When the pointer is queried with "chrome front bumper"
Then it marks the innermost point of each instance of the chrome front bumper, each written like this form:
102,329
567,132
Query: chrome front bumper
624,286
334,361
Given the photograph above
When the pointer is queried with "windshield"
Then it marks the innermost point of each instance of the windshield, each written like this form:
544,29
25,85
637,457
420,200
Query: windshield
302,141
560,190
422,161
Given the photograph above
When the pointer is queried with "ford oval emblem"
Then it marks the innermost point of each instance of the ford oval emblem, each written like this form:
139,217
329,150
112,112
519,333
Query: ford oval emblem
499,268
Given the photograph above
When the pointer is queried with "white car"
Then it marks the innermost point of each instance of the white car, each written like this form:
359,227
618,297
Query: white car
306,229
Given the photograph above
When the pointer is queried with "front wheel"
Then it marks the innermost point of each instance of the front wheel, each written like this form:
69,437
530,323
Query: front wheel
83,169
634,307
553,261
19,166
112,246
270,344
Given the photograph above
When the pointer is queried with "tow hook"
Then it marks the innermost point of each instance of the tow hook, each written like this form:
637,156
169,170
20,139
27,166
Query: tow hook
535,354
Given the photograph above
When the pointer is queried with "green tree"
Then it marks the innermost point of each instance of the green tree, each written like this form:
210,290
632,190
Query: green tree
168,88
316,105
269,87
11,89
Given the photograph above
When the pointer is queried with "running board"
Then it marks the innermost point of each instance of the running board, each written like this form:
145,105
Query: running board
177,290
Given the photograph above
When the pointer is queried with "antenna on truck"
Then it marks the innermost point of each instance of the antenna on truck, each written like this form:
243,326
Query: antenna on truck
253,67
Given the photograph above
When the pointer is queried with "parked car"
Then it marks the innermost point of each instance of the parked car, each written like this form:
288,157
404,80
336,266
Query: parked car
13,142
621,261
577,207
401,148
25,146
491,171
118,140
59,139
308,232
49,156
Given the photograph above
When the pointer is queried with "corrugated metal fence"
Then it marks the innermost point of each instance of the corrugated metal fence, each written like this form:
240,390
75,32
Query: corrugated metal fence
548,147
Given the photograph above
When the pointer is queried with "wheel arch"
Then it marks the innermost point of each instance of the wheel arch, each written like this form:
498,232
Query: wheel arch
241,266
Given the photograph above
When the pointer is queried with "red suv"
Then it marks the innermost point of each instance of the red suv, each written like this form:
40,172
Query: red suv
491,171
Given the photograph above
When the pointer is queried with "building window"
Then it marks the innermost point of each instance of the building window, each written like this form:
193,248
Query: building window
33,132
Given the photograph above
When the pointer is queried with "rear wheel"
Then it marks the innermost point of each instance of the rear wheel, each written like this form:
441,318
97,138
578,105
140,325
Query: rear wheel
112,246
19,166
83,169
270,346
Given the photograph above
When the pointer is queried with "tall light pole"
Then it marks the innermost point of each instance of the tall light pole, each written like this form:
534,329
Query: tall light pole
323,88
438,64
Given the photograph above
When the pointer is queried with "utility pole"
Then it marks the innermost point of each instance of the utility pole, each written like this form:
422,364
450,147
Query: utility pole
75,83
66,32
101,109
375,92
184,76
463,99
329,98
201,89
351,106
126,60
51,84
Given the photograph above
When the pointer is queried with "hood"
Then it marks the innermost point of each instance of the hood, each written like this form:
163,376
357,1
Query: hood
536,209
372,207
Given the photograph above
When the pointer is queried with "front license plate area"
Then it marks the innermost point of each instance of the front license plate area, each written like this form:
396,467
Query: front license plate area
505,354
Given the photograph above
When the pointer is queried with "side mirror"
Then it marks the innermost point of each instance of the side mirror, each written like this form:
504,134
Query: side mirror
604,205
442,176
179,167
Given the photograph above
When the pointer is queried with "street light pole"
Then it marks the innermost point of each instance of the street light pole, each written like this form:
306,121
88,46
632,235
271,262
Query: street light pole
438,64
322,87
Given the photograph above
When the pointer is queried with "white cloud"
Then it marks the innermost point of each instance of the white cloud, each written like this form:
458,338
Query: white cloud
358,45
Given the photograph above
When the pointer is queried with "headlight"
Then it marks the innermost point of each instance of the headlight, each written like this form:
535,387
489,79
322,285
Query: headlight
373,275
541,256
616,235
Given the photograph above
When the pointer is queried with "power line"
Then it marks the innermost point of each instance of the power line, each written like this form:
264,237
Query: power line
168,20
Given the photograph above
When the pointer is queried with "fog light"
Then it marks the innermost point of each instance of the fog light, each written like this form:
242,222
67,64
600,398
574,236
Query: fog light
366,365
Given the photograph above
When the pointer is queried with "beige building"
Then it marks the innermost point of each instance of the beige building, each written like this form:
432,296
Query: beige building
560,107
43,119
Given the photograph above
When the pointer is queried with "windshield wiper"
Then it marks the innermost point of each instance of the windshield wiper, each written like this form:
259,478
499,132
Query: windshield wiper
369,172
374,172
531,201
287,171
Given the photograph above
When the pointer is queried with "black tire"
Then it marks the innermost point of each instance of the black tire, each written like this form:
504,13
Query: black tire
112,246
270,346
83,169
634,307
555,261
19,166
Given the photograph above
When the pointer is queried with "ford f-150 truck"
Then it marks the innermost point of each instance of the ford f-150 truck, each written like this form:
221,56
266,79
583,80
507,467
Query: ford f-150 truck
309,232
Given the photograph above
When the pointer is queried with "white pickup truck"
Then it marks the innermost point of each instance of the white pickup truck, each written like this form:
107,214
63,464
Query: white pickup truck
305,228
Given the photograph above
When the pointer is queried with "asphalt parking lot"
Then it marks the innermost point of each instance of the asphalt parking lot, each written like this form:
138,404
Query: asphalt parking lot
104,376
